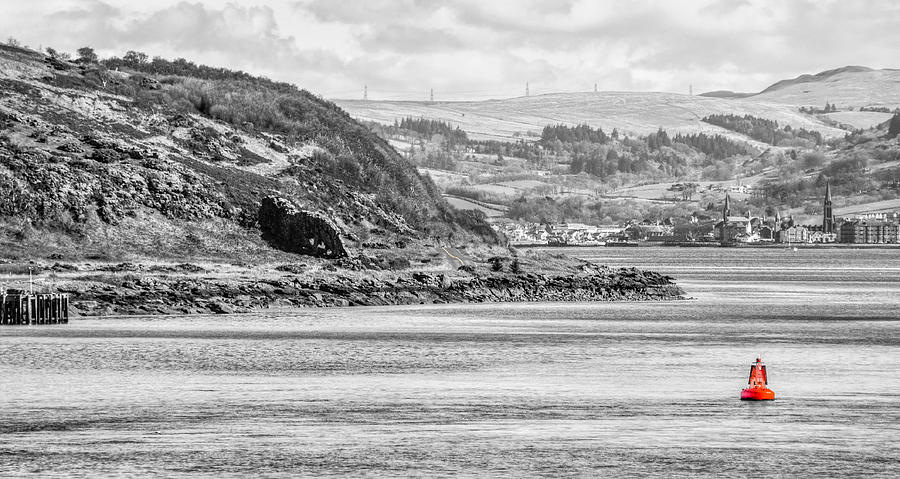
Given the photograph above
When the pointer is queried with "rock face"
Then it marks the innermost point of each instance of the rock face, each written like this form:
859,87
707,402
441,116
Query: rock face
290,229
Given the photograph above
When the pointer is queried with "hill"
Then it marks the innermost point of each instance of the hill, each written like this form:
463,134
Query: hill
814,78
645,112
630,112
165,187
171,159
848,87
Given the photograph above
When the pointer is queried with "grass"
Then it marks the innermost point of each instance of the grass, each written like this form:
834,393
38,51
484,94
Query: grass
17,269
633,112
860,119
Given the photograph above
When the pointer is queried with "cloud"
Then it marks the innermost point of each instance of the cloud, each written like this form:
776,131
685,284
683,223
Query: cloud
477,48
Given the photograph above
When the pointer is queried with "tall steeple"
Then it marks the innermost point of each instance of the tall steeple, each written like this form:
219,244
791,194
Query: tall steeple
827,214
777,221
726,211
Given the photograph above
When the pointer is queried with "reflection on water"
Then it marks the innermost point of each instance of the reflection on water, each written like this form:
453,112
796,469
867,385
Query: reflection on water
527,389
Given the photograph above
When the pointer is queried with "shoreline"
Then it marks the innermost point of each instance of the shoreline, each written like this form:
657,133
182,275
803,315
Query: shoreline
153,288
717,245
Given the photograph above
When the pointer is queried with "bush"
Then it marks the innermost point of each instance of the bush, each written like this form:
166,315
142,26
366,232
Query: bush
812,159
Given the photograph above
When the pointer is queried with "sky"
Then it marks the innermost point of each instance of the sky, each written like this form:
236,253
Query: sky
479,49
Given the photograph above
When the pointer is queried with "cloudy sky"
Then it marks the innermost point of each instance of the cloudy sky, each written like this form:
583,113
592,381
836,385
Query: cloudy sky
476,49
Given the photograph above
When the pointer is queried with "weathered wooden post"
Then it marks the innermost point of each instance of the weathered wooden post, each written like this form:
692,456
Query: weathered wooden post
23,307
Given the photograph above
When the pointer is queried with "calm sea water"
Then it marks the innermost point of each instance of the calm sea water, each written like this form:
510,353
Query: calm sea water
484,390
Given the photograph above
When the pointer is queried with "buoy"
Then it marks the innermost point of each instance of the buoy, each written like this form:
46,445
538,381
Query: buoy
758,382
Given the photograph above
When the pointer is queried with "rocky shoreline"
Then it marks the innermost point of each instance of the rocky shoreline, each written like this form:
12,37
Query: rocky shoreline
153,289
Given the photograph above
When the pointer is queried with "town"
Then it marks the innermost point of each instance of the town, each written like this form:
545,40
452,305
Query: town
703,230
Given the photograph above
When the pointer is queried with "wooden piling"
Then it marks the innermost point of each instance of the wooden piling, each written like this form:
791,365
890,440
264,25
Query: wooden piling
23,308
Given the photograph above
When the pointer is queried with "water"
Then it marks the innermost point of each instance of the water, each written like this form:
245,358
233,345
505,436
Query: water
473,390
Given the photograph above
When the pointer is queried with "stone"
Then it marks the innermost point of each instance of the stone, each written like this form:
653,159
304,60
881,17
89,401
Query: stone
291,229
220,307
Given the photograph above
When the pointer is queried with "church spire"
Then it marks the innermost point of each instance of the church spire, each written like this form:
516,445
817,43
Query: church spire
726,211
827,214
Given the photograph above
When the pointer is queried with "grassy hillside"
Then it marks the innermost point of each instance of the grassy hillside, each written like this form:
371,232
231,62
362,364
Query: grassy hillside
844,87
634,113
172,159
641,113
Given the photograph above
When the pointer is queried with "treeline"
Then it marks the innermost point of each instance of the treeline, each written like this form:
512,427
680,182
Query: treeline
592,151
811,110
631,155
567,134
428,128
716,146
519,149
879,109
764,130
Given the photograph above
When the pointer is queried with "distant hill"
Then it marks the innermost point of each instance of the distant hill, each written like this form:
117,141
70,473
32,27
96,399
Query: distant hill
818,77
636,113
848,87
641,113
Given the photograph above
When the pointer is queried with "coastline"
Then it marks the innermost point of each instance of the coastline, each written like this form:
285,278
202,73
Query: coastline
160,288
719,245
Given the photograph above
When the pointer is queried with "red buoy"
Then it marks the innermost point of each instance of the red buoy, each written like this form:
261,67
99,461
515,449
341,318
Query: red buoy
758,382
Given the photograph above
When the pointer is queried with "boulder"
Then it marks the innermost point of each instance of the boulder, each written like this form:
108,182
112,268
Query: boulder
221,307
291,229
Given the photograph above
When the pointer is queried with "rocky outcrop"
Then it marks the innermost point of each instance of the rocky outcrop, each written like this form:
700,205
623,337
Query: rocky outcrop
290,229
186,294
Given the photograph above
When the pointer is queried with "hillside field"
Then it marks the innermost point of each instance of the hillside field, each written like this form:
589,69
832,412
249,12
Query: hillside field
629,112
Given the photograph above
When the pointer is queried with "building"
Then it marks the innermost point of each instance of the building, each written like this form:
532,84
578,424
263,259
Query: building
827,214
732,226
868,232
794,234
646,231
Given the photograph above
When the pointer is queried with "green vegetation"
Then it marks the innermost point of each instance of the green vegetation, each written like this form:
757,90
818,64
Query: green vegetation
829,108
317,156
894,126
566,134
879,109
766,131
848,174
429,128
715,146
354,154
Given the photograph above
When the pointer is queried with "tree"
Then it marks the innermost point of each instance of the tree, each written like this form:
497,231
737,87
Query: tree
135,58
86,55
13,42
894,127
812,159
